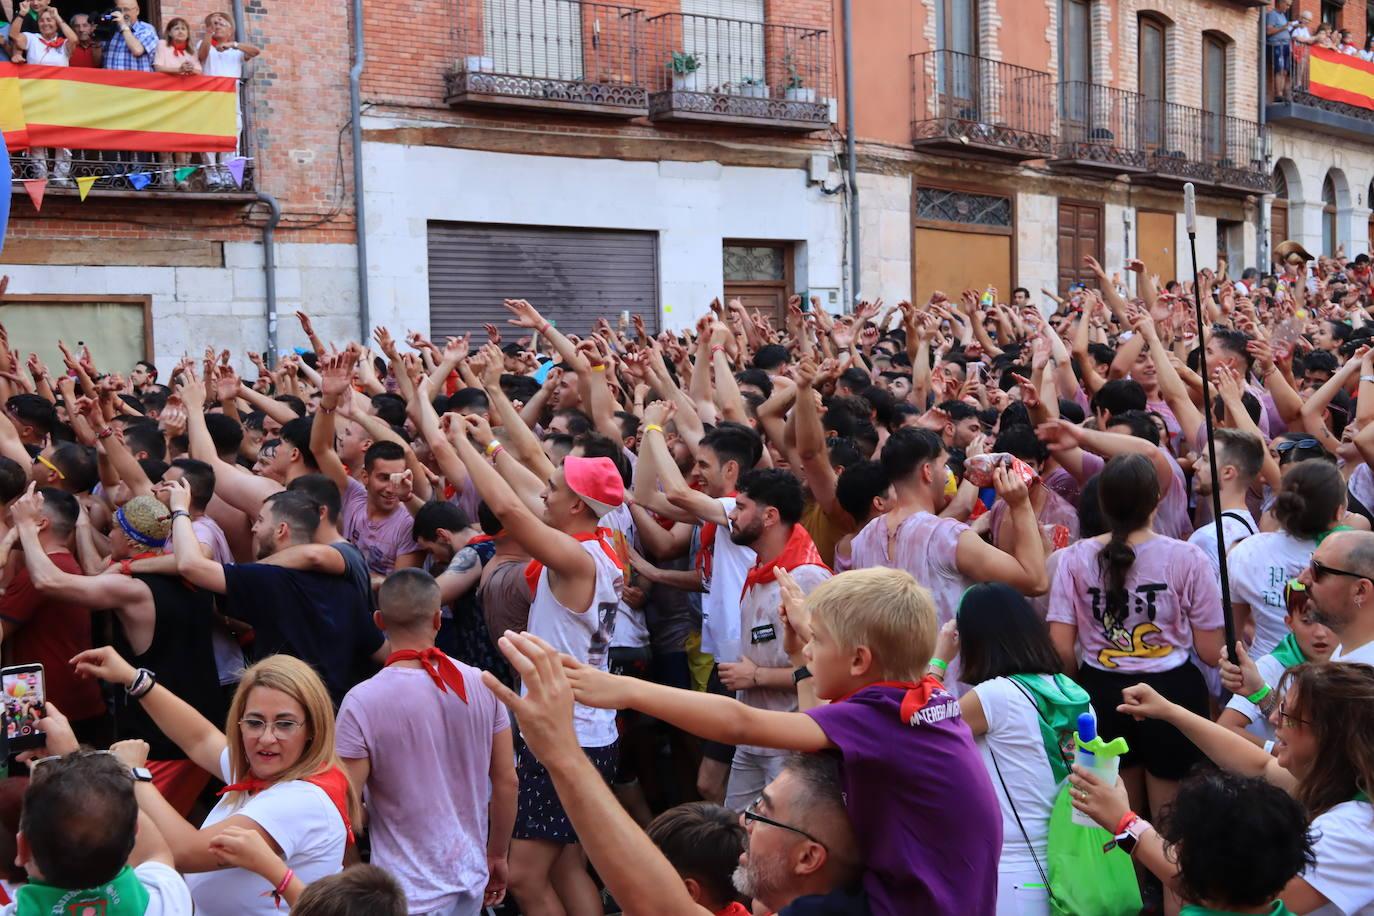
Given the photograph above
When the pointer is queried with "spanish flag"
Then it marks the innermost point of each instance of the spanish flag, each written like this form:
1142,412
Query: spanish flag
85,108
1340,77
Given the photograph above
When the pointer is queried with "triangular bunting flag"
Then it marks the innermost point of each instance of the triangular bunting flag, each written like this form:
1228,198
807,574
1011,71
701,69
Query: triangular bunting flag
185,172
83,184
235,167
36,187
140,180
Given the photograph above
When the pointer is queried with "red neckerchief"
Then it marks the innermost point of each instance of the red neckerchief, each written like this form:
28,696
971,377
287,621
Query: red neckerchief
706,554
917,694
734,909
479,539
600,535
333,781
180,50
55,43
450,491
800,550
440,668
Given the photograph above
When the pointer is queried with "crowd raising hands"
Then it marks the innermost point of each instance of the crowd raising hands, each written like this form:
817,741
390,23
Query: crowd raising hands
916,609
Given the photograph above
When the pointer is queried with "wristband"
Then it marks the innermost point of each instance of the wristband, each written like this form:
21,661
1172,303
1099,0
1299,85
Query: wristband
105,433
281,888
1125,821
543,328
940,663
717,348
1367,378
800,674
497,451
599,368
653,427
1259,695
126,567
1269,747
143,682
492,446
178,513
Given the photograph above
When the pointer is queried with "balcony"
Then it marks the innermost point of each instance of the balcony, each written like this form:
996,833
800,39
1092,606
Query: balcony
733,71
1303,108
1184,144
963,104
564,55
1099,130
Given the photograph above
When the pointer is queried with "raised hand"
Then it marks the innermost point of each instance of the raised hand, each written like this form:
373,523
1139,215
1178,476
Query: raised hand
524,315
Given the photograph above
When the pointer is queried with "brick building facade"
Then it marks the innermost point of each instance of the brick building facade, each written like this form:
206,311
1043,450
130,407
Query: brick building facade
548,148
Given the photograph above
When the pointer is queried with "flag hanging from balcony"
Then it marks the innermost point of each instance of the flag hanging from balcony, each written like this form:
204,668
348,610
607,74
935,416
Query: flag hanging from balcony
84,108
1340,77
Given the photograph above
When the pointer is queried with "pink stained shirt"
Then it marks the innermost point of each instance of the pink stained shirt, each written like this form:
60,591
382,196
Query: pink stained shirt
427,792
381,540
1171,588
1172,520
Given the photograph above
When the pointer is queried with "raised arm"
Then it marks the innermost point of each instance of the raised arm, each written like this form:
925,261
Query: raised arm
1024,568
336,379
239,488
1171,385
192,564
683,497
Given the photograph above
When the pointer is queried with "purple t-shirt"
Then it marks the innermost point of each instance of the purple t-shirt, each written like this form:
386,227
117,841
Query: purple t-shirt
427,792
920,800
381,540
1171,589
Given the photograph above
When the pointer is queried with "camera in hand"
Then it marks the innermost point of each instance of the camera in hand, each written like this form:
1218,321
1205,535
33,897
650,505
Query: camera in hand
24,699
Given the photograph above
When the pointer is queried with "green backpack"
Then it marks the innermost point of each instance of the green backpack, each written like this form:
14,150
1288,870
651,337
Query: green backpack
1079,877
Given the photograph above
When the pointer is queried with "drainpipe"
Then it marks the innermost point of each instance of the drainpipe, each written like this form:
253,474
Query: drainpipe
355,75
269,269
847,23
269,251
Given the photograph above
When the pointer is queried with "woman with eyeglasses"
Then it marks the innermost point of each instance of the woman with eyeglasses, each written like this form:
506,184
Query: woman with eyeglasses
282,775
1309,506
1324,758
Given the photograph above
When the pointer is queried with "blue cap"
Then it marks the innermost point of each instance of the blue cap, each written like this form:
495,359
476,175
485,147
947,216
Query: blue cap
1087,727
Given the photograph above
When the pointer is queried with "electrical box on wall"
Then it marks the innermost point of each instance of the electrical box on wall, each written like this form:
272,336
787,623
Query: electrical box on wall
818,168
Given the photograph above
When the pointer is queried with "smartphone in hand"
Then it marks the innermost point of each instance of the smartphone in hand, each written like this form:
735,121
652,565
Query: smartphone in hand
25,699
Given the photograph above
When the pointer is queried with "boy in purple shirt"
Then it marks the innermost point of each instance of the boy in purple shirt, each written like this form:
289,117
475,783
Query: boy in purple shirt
922,806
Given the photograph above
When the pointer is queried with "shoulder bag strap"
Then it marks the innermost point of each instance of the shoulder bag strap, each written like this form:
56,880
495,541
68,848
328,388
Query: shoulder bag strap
1014,813
1242,517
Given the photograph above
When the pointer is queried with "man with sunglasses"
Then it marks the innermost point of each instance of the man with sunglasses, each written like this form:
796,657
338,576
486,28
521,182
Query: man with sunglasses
1339,584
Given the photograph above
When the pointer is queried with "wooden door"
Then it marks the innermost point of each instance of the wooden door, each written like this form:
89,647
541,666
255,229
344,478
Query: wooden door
1080,236
1156,242
759,274
953,261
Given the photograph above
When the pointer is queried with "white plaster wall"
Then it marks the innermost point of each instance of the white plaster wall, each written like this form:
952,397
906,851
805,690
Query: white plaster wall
885,236
693,207
1037,245
1315,154
224,306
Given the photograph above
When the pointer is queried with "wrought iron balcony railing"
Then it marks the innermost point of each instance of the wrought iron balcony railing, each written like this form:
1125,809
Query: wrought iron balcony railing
554,54
1190,144
709,68
1099,127
963,101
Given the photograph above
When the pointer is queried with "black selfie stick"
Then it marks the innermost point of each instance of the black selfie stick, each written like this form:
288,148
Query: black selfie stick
1190,220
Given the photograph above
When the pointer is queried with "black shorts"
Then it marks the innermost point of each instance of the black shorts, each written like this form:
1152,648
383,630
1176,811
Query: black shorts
629,661
714,750
539,814
1159,747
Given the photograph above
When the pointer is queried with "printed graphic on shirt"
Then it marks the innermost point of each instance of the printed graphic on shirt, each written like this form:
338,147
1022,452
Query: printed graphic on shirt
928,703
601,639
1129,643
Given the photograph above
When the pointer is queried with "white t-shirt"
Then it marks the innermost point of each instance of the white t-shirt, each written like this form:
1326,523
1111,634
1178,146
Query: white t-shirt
1271,669
226,62
168,894
631,627
1363,655
1259,569
1014,736
1343,840
585,635
730,563
1233,529
301,819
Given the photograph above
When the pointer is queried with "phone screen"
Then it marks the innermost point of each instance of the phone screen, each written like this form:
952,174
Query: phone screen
24,699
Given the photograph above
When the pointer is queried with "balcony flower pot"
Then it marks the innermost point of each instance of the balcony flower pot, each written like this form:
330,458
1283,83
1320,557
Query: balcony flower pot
476,63
686,82
753,88
800,94
684,67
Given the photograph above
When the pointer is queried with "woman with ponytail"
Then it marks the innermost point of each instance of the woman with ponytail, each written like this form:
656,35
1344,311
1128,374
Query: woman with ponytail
1309,505
1126,608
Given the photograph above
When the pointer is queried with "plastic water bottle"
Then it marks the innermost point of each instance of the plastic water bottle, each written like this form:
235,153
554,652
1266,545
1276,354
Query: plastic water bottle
1102,757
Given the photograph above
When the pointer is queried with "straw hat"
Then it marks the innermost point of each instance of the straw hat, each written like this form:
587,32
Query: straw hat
1287,250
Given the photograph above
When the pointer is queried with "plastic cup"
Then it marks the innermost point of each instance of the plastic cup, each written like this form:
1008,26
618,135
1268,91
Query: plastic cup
1105,768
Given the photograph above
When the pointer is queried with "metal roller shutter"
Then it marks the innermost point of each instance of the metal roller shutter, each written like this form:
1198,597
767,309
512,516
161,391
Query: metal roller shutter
573,276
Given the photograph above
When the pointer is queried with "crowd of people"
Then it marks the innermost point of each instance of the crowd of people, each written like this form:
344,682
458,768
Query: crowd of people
909,610
120,40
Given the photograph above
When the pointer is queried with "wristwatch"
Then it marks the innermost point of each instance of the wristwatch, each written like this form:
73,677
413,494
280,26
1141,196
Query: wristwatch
141,774
800,675
1127,839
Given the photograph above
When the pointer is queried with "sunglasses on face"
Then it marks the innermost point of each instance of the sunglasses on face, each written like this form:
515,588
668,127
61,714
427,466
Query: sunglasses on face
1320,571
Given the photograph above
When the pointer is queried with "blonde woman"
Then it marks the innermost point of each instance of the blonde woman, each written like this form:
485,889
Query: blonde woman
283,779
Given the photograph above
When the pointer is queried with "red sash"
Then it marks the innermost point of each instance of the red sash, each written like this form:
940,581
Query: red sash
600,535
799,551
333,781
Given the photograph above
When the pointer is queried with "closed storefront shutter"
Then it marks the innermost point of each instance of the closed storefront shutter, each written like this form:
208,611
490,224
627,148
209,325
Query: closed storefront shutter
573,276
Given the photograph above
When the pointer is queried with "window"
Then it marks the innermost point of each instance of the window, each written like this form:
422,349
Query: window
727,37
1328,216
1331,12
956,25
1153,80
1214,48
119,329
1076,41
